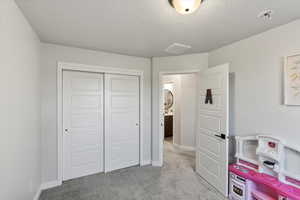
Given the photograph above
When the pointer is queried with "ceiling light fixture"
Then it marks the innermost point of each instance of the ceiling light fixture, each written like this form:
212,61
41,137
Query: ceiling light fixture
185,6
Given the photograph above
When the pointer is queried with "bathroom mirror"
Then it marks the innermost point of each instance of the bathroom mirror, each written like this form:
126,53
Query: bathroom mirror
169,99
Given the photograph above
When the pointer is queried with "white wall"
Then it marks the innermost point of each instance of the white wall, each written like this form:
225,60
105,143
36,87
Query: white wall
256,64
170,64
20,169
51,54
189,96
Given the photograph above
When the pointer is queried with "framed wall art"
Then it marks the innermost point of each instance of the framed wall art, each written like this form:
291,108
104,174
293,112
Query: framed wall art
292,80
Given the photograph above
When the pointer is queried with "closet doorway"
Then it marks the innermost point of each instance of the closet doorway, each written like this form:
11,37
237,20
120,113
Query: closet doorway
99,126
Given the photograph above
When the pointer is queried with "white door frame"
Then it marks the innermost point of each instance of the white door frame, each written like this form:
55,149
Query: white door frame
62,66
161,110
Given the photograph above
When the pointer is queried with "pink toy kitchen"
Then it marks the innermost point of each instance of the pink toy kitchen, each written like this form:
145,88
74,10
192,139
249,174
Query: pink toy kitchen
266,168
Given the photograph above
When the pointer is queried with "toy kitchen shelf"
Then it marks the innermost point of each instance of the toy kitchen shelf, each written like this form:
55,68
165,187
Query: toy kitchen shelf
267,169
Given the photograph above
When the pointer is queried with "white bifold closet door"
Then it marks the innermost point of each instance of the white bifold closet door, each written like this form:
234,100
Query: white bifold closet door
122,121
83,124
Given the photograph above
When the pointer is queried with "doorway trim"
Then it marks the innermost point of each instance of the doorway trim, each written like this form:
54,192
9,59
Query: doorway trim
161,110
63,66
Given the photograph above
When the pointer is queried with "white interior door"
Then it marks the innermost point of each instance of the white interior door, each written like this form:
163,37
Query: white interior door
82,124
212,135
121,121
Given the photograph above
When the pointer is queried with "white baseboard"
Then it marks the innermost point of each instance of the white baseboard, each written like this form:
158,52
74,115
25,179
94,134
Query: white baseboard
187,148
50,184
146,162
184,148
37,194
157,164
45,186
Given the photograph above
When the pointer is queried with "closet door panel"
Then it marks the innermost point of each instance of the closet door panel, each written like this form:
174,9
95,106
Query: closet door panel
82,124
121,121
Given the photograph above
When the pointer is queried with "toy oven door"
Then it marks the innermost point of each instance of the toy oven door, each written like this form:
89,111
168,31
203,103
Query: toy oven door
237,190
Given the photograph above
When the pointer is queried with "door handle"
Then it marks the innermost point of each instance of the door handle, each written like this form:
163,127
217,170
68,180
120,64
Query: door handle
222,136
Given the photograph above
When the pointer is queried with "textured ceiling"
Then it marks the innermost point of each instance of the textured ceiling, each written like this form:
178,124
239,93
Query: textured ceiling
147,27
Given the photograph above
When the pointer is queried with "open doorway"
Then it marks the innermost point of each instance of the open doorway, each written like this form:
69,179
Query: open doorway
180,112
211,125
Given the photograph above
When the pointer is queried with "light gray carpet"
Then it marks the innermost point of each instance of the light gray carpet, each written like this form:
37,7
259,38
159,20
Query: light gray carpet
176,180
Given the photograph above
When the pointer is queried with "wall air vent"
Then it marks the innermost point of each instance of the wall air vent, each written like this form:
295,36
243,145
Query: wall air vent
177,48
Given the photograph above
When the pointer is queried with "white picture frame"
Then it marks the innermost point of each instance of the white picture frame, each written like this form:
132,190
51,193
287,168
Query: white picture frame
292,80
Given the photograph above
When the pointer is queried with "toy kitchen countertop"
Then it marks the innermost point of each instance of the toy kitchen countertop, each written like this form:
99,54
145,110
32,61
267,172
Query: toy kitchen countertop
267,180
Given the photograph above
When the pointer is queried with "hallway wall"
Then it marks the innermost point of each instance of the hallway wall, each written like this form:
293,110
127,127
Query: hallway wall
20,148
189,97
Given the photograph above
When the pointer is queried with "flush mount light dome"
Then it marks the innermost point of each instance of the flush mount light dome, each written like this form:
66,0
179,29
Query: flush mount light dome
185,6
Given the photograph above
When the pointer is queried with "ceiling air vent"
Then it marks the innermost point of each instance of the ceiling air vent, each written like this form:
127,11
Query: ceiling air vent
177,48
